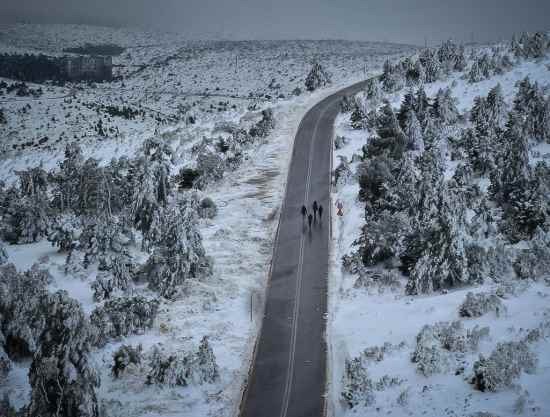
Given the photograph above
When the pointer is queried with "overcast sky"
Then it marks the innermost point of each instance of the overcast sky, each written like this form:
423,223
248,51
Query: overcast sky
407,21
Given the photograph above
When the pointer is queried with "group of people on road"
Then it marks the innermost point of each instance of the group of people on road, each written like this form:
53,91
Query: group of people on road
317,208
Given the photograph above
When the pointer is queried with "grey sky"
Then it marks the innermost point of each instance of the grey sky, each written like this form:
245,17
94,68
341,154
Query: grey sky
405,21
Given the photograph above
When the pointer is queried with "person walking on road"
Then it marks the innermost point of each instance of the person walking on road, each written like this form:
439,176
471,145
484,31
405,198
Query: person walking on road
309,220
304,213
320,211
315,207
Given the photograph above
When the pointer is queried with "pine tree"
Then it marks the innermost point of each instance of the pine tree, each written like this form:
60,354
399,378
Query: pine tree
496,105
413,132
421,106
443,262
358,118
444,108
317,77
387,123
408,103
206,361
460,63
475,74
179,255
512,163
61,378
431,65
3,254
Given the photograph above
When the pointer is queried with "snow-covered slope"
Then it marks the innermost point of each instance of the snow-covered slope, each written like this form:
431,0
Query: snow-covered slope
378,323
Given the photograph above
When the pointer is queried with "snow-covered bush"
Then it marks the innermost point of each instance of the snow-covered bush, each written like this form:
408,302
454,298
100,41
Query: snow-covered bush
211,167
184,368
358,388
264,126
123,357
317,77
114,277
62,380
207,208
503,366
122,317
476,305
436,344
21,317
179,254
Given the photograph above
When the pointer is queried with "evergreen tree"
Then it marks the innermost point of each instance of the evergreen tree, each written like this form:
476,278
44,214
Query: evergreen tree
442,262
387,125
358,118
421,106
3,254
444,108
460,63
61,378
512,162
408,103
496,105
413,132
431,65
317,77
179,254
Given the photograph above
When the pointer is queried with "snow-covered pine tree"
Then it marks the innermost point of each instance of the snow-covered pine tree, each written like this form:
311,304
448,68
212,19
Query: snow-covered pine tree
460,62
21,319
66,180
444,108
443,262
413,132
63,382
33,181
512,162
391,78
447,55
496,106
358,119
431,65
372,90
179,254
408,103
317,77
3,253
421,106
206,363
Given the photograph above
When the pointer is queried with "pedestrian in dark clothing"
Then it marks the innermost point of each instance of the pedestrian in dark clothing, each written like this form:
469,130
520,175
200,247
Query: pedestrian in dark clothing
309,219
304,213
315,209
320,211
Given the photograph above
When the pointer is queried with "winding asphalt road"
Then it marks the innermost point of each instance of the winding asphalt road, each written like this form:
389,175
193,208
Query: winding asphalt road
289,371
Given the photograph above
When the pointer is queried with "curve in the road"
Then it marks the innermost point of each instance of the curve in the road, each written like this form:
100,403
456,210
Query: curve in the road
288,375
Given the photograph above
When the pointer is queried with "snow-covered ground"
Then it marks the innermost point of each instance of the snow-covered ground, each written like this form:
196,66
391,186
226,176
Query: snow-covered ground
361,318
227,306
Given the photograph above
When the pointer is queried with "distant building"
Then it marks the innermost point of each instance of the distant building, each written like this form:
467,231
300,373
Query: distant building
83,67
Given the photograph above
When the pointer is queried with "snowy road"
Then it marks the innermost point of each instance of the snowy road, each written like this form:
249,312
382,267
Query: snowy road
288,376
